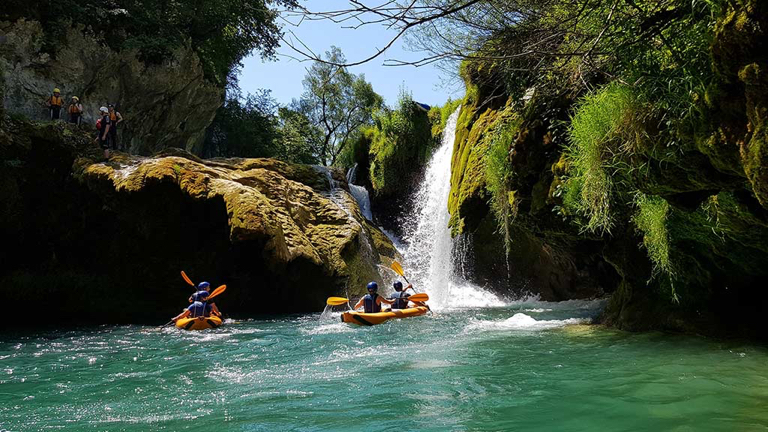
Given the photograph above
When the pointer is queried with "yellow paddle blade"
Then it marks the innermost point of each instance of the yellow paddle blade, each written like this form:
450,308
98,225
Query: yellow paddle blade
216,292
336,301
421,297
397,267
186,278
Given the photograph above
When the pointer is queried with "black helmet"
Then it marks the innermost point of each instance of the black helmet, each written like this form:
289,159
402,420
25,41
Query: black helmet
373,286
398,286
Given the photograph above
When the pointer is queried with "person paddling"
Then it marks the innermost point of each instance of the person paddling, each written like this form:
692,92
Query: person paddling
400,296
372,301
199,307
203,291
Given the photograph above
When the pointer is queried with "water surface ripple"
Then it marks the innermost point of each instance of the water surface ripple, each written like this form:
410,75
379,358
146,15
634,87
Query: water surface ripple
529,366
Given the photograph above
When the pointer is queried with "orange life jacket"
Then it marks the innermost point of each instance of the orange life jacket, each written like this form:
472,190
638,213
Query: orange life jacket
56,101
73,109
113,115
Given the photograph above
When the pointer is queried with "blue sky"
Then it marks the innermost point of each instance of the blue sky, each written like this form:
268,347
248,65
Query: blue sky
283,77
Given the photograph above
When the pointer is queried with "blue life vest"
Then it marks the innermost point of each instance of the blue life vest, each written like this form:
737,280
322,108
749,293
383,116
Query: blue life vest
199,309
370,303
401,300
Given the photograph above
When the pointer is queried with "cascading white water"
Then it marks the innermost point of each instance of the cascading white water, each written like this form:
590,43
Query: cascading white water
430,258
360,193
363,200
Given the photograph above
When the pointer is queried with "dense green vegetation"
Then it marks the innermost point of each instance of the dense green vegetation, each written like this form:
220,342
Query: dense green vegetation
258,127
637,126
221,32
401,144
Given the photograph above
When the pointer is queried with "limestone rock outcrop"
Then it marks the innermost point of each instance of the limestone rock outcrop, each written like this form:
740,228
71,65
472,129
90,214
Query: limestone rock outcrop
108,239
167,105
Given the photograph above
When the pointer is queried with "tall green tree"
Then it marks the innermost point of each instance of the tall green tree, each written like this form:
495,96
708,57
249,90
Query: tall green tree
244,128
337,102
295,137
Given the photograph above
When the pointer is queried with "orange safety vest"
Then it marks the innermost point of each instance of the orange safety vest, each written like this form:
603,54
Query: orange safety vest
113,115
56,101
73,109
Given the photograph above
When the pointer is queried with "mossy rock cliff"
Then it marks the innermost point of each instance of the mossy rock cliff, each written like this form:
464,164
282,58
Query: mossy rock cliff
682,245
105,241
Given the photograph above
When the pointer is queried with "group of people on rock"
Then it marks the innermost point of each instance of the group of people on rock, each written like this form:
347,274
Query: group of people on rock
200,306
372,301
106,126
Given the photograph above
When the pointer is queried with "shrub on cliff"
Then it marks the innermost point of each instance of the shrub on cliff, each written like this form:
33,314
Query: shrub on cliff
402,143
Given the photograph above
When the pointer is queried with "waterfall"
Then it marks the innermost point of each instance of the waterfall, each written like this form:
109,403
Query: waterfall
430,259
360,193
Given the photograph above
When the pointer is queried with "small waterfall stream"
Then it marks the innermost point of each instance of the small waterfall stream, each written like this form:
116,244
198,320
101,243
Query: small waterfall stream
431,257
360,193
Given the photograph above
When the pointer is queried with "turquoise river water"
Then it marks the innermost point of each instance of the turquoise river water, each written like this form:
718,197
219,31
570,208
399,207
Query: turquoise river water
527,366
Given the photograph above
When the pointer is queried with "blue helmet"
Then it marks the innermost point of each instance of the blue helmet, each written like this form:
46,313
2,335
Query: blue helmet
398,286
203,285
200,295
373,286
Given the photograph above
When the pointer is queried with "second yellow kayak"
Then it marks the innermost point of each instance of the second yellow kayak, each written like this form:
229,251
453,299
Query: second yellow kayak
369,319
199,323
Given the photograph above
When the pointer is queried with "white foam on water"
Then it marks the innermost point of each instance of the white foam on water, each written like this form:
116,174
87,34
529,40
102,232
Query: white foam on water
521,321
338,327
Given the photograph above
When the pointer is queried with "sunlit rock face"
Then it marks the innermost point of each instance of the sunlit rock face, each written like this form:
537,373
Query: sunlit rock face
108,239
168,105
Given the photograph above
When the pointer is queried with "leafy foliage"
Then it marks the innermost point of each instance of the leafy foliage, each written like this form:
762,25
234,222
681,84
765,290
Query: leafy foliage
402,142
497,179
243,129
651,218
607,126
338,103
257,127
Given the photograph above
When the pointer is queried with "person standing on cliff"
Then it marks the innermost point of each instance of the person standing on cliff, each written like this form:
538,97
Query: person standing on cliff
75,111
104,136
54,104
116,119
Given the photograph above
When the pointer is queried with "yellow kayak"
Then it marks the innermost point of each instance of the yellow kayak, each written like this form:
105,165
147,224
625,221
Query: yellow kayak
199,323
369,319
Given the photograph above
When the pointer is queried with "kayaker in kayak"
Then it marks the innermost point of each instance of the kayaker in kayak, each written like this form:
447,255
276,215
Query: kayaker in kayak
372,301
400,297
199,307
203,290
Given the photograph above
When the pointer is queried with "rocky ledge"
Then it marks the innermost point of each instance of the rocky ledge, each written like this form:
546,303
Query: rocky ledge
105,241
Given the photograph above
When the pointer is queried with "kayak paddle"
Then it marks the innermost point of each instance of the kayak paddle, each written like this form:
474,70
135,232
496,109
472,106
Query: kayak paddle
420,297
399,270
336,301
216,292
186,278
